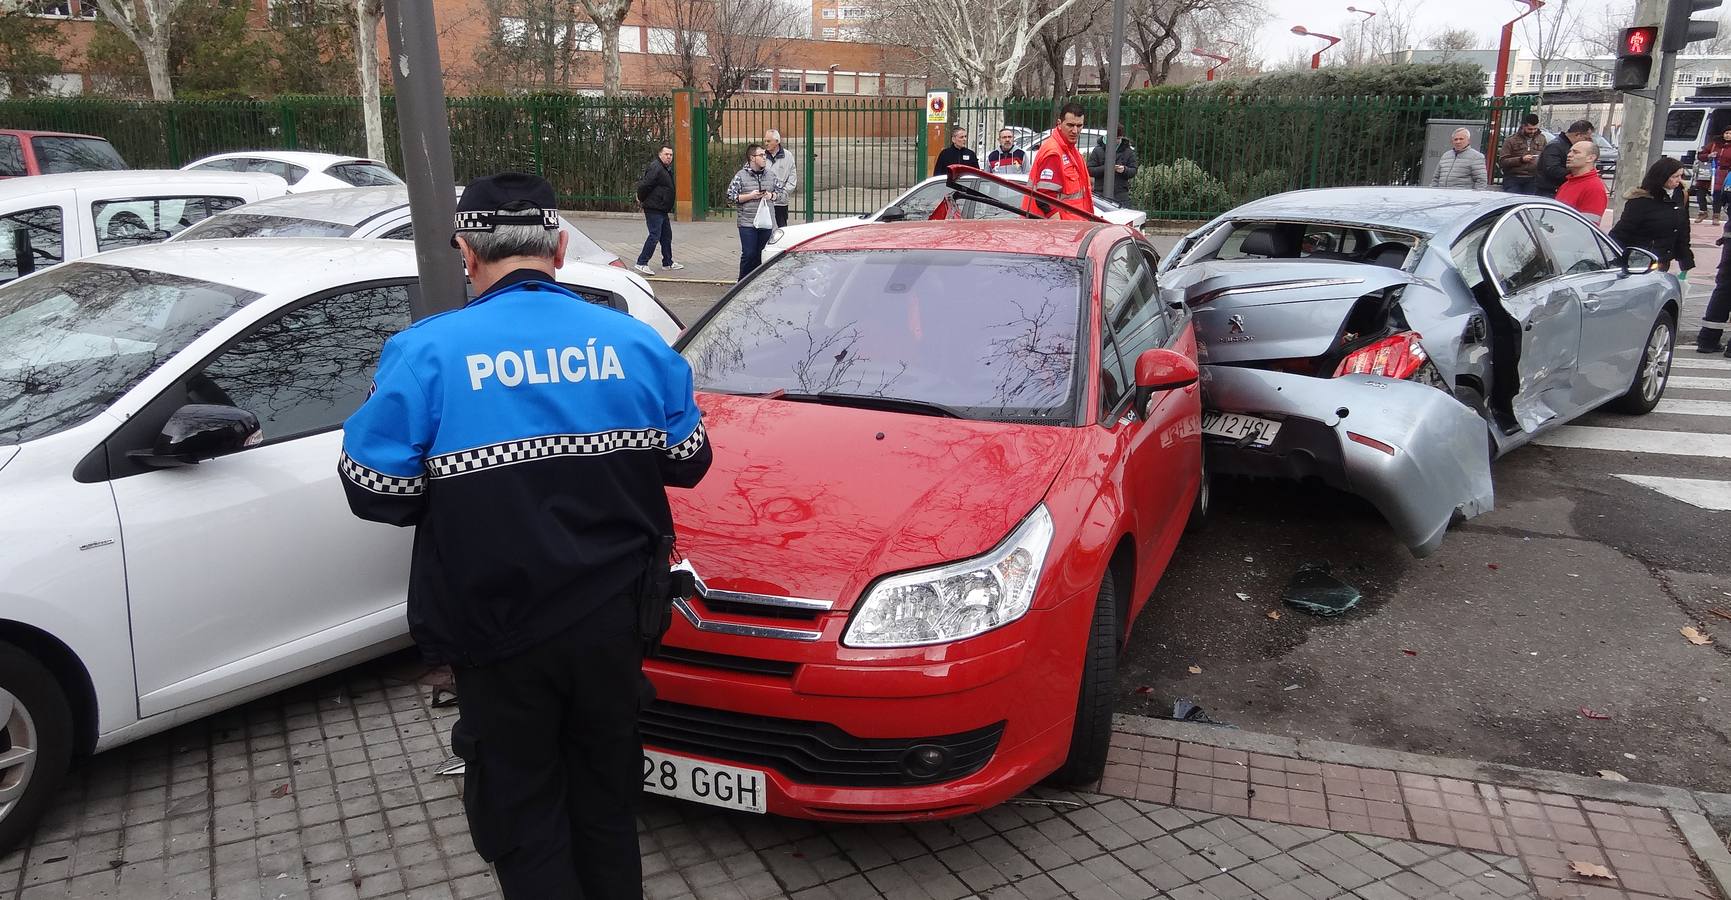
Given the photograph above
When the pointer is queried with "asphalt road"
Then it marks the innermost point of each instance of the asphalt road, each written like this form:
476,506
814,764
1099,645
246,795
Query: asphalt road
1568,596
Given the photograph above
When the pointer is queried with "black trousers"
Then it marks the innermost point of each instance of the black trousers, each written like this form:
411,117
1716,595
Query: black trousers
781,217
1714,318
554,761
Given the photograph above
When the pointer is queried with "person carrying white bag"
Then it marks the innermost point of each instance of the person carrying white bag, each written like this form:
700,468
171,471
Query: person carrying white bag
755,192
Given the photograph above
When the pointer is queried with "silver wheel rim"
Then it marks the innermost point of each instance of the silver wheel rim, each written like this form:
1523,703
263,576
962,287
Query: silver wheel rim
18,760
1658,363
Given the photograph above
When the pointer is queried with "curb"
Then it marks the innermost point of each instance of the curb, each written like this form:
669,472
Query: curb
1707,846
657,279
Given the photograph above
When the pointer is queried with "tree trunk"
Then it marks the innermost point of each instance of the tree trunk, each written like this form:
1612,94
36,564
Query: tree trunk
156,63
610,70
367,15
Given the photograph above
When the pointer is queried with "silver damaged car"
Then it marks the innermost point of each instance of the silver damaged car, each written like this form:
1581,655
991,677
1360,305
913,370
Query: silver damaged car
1391,342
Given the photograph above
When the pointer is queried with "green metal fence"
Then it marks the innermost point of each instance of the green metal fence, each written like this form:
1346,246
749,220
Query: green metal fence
592,149
853,154
1198,156
1201,156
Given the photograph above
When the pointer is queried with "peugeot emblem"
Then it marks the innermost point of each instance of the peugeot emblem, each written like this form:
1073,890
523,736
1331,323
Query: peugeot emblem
1235,325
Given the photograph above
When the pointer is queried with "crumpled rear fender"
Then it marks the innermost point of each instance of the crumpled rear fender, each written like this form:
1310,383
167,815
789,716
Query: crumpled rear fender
1440,462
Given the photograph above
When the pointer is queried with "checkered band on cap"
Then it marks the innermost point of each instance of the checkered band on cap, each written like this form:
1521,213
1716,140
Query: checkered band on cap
688,448
512,452
378,482
487,220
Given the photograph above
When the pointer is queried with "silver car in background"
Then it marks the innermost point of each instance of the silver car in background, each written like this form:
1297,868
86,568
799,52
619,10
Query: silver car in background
1391,342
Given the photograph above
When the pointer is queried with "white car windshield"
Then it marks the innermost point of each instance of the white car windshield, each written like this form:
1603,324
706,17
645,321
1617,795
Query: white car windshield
982,335
75,338
247,225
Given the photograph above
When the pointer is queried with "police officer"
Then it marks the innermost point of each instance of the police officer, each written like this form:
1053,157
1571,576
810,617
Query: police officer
530,436
1058,169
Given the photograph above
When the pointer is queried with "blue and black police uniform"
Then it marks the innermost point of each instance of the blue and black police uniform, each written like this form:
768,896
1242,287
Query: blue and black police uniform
530,437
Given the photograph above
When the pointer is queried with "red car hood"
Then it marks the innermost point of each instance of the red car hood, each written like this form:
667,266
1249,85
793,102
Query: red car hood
807,500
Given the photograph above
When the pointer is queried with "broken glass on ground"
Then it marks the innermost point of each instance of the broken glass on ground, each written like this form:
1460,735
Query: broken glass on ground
1319,593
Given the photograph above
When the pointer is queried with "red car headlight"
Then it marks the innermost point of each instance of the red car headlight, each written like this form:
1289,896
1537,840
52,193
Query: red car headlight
956,600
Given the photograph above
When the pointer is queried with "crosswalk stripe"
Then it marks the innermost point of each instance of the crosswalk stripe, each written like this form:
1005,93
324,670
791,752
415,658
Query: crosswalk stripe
1694,407
1705,493
1631,440
1695,383
1684,362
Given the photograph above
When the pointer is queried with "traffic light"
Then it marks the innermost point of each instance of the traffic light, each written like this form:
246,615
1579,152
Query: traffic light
1680,30
1635,57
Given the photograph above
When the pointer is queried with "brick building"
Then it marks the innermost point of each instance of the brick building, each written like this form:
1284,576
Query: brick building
473,38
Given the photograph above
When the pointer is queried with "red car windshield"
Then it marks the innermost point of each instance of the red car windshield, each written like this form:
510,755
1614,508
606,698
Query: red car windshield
983,335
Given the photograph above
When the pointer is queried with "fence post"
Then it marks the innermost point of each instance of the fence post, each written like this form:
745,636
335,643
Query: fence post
173,123
921,163
535,134
699,161
684,176
286,116
810,162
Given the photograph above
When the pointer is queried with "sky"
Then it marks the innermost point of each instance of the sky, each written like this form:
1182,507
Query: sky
1485,17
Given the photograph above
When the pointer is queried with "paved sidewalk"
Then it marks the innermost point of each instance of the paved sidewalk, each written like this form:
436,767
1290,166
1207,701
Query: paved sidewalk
329,791
709,250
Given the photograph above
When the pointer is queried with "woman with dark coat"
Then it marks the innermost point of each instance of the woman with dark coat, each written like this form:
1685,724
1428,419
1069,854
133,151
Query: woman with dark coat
1656,218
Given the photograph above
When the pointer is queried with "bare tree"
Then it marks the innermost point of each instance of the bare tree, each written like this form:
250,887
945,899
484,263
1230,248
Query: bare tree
1549,34
1058,40
718,45
1159,31
1380,37
368,15
146,23
1451,42
608,15
980,47
532,42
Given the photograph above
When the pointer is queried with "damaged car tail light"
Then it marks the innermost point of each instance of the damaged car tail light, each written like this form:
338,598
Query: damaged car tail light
1396,356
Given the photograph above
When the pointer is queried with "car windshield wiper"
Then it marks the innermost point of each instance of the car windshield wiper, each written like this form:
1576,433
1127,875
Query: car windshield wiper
868,401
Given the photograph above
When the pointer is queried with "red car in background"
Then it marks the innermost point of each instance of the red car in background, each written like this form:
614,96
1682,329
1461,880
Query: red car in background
53,152
952,460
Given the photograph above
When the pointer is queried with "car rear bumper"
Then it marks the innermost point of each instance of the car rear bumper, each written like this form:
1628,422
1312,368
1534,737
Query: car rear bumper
1417,454
831,736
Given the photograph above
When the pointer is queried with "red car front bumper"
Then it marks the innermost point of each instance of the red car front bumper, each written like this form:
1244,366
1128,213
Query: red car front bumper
830,726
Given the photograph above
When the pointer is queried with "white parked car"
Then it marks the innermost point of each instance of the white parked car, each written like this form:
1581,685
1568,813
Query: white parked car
173,537
49,219
375,212
919,203
302,170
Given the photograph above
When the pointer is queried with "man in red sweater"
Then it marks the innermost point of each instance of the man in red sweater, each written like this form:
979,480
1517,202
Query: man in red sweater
1584,189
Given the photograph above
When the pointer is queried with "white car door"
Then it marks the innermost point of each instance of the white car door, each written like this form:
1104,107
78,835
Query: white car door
248,566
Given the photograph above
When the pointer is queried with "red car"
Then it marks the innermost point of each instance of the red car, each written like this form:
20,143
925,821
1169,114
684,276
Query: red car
952,460
53,152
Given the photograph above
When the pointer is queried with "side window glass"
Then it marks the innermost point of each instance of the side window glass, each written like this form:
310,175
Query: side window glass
1114,385
219,165
30,240
400,233
293,173
919,204
1137,321
1573,243
307,370
129,223
1515,258
11,155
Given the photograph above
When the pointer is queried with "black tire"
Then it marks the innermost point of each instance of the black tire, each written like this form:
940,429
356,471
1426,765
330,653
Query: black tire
33,712
1091,736
1655,369
1204,504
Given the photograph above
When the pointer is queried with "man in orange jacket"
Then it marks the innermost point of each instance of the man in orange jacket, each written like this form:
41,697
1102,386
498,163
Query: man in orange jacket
1059,169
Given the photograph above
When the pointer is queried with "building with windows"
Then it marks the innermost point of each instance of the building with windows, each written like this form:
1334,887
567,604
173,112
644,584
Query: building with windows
840,20
1580,79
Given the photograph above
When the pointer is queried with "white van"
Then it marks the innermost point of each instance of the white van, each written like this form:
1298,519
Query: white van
1692,122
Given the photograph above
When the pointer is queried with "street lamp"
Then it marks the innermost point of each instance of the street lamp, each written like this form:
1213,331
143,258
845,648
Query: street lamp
1500,82
1367,13
1316,58
1220,61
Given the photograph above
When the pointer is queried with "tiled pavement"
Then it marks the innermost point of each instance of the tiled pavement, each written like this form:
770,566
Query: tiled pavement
329,791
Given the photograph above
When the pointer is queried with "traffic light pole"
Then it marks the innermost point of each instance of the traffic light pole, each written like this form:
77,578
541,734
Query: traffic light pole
425,136
1661,109
1640,125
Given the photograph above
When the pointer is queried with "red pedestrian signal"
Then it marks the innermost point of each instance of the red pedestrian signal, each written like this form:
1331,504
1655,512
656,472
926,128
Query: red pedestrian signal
1635,58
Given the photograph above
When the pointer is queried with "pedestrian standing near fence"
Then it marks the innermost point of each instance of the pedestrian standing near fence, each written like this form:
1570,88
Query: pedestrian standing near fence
1007,159
958,153
1554,159
1123,166
1519,156
1461,166
782,169
655,195
1584,189
754,191
1715,160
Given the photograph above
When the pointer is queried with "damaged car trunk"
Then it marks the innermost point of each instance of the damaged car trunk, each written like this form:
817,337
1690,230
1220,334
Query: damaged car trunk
1313,370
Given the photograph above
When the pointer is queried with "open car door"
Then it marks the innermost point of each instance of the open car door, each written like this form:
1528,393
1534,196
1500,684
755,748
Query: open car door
973,192
1541,329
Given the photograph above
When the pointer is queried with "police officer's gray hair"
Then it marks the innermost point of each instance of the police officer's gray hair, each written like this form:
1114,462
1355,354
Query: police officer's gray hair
507,241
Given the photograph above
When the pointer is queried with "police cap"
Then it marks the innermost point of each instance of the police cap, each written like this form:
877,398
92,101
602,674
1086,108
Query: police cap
508,198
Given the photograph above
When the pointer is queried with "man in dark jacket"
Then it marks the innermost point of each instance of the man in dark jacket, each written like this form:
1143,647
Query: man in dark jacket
1518,156
655,195
530,437
1124,168
1553,160
958,153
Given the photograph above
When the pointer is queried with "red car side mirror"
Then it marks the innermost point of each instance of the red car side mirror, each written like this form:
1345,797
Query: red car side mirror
1160,369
